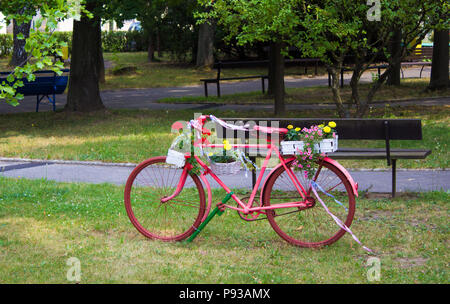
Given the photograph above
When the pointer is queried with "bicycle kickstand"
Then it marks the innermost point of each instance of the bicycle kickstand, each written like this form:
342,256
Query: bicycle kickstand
220,208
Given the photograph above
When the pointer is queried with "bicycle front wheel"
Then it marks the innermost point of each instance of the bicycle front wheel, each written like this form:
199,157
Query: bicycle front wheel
311,227
174,220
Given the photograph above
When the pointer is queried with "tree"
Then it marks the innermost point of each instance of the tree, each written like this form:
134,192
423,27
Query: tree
333,30
439,71
166,19
395,49
87,58
21,32
205,48
249,22
24,12
149,12
41,44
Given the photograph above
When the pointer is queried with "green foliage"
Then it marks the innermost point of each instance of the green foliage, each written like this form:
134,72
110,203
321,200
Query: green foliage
331,30
6,45
253,21
172,21
115,42
42,43
64,38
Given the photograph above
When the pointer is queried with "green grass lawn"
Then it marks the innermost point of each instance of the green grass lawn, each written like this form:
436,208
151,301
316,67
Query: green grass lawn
409,89
43,224
135,135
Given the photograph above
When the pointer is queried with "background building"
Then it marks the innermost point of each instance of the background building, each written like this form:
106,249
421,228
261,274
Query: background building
67,26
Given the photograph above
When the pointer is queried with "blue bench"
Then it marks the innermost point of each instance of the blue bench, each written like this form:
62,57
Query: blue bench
46,85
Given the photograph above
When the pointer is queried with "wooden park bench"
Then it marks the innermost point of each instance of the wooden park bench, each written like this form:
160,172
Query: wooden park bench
420,56
257,63
47,84
348,129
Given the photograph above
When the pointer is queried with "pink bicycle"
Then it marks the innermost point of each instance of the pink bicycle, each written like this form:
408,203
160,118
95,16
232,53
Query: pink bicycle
168,203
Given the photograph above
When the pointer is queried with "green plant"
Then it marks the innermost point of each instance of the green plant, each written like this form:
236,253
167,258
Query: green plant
227,155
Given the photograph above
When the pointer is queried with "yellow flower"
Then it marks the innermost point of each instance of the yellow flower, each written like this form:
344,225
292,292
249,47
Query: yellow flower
321,126
297,129
332,124
327,129
227,147
210,154
225,142
290,127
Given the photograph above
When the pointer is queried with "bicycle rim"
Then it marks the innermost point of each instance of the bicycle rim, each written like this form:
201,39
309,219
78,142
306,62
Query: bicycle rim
174,220
312,227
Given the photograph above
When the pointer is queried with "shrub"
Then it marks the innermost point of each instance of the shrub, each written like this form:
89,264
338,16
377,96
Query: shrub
6,45
111,41
66,37
114,41
124,41
136,41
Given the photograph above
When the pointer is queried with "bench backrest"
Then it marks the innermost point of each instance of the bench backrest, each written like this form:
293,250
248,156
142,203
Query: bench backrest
46,83
347,129
369,129
257,63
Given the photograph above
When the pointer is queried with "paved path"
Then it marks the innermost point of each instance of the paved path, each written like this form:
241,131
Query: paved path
147,98
372,180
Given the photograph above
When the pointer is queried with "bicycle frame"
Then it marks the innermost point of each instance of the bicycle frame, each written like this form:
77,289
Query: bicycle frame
245,208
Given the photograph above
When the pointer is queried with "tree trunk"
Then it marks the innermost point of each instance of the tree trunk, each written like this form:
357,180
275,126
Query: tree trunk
101,68
271,70
205,49
151,47
19,56
361,104
336,90
395,51
362,111
84,92
158,43
278,79
439,70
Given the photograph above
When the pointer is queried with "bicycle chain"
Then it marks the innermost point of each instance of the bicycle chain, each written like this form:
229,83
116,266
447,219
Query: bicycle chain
243,216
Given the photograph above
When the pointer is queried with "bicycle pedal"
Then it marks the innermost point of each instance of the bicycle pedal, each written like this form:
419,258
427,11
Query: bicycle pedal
221,206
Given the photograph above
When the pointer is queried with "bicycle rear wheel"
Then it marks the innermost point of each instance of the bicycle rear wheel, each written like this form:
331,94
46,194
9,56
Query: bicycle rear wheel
174,220
311,227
